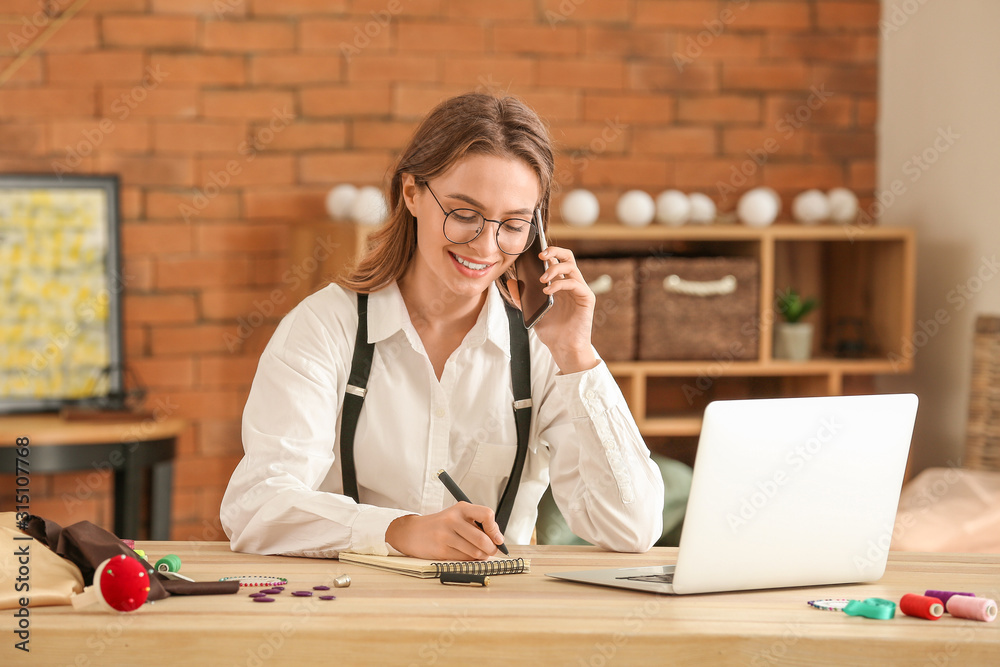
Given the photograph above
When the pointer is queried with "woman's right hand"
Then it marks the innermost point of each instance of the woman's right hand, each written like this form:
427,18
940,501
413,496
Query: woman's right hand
451,534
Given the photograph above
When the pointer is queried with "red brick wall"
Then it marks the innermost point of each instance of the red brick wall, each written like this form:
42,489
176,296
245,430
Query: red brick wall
294,96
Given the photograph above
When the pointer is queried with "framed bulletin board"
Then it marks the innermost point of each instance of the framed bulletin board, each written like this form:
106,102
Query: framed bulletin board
60,292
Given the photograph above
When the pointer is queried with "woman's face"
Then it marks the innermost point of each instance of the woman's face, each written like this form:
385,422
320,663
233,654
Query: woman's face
499,188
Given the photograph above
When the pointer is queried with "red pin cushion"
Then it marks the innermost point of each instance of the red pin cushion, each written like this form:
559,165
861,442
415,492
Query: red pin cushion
120,582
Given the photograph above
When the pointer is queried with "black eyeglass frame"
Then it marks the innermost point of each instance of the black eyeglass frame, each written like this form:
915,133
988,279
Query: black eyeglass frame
499,224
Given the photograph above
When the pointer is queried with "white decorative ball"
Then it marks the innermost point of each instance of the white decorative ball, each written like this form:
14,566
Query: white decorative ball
702,208
339,201
810,207
369,207
580,208
758,207
635,208
672,208
843,205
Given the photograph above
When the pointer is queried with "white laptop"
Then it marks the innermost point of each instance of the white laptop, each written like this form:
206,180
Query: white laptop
786,492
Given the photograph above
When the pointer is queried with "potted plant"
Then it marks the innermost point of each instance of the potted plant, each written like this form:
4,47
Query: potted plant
792,337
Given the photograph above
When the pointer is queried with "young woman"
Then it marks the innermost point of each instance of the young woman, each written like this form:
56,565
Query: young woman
439,395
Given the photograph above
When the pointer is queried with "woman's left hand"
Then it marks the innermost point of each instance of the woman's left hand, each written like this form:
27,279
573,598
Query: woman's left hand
566,328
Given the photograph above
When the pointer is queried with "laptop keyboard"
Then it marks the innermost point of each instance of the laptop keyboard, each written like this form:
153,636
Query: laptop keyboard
667,578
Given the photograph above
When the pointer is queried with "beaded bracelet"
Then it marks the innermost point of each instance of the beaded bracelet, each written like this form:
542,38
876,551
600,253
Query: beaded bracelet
257,580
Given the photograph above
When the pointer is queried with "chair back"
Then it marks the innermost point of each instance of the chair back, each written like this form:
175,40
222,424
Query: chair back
982,439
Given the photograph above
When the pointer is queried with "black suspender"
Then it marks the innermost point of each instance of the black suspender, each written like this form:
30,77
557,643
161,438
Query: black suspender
354,397
520,378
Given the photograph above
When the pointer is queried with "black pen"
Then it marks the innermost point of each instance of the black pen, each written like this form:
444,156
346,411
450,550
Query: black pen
463,579
460,496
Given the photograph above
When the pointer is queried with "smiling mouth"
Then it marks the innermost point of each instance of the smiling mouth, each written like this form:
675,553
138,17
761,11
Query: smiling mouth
473,266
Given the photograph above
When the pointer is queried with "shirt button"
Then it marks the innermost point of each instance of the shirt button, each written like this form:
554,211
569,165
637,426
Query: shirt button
440,413
591,394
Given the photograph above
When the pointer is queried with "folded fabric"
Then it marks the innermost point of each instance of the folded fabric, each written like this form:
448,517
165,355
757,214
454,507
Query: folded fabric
949,509
46,579
87,545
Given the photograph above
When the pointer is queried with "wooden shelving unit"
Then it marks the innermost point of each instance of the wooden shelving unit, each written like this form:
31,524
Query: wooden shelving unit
867,274
864,275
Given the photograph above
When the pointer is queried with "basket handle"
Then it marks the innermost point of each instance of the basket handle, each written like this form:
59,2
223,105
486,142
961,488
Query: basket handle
601,285
677,285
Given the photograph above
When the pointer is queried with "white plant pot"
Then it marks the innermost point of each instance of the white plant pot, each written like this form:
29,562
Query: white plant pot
793,340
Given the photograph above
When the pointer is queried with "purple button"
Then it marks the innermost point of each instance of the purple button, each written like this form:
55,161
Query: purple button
277,588
258,595
263,599
327,597
270,591
302,594
321,588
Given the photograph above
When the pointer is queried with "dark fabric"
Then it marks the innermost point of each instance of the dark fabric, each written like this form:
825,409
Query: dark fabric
87,545
180,587
520,372
520,377
361,366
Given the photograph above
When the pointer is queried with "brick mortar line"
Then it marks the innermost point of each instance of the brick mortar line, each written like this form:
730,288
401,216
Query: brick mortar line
22,57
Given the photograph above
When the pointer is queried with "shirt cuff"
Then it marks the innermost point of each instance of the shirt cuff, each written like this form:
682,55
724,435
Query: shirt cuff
368,531
592,396
589,393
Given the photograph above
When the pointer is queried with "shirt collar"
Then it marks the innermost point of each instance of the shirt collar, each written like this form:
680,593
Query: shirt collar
387,315
496,328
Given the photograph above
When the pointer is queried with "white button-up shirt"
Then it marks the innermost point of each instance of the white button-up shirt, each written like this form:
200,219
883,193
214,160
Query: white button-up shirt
286,495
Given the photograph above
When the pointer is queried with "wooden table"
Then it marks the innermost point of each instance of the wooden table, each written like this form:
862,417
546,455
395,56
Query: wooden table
527,619
126,444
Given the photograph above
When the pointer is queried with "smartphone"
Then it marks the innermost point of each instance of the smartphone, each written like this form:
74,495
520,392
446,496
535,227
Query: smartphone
529,270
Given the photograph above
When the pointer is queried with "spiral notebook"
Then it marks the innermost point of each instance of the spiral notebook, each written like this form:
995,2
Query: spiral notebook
427,569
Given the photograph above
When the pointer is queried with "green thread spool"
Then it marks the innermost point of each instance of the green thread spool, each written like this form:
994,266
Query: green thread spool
169,563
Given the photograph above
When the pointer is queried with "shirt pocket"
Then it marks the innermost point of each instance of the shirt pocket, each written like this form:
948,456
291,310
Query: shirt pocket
488,472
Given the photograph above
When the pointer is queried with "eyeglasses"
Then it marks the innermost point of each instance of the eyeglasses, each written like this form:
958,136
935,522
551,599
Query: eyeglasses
464,225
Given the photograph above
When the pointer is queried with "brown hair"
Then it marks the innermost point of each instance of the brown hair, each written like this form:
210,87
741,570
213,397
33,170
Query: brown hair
473,123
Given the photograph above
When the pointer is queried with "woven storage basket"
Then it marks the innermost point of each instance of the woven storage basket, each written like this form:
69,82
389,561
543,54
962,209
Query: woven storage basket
613,281
982,438
698,308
